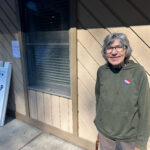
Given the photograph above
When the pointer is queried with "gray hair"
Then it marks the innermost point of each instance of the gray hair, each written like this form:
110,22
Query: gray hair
122,38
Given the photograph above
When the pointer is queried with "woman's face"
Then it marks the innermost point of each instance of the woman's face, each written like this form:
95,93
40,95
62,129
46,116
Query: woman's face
115,53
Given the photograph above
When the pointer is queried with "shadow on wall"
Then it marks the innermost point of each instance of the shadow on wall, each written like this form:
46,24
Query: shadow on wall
106,13
110,13
11,98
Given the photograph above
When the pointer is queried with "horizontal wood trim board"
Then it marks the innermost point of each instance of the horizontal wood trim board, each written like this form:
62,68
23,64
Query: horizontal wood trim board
55,131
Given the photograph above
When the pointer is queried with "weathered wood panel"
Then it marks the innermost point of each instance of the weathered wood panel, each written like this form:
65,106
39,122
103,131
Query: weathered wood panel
64,114
48,108
142,7
33,104
90,44
12,5
85,76
73,67
139,24
132,17
144,33
70,117
96,19
40,106
9,32
56,111
91,24
87,61
9,13
3,53
87,129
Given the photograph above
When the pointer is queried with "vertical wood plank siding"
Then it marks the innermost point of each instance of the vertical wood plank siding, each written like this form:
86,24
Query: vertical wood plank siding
46,108
96,19
50,109
33,104
9,32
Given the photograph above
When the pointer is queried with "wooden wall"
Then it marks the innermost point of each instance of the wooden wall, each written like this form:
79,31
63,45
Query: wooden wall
50,109
9,31
96,19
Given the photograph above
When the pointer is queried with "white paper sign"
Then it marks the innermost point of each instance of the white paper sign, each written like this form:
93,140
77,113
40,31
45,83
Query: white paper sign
16,49
5,76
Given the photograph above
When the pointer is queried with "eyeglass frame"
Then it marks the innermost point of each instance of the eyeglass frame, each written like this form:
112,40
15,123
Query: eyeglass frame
118,48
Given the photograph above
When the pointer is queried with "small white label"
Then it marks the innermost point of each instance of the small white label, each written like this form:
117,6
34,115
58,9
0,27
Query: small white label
16,49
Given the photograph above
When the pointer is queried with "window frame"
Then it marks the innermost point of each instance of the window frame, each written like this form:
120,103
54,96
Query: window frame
70,49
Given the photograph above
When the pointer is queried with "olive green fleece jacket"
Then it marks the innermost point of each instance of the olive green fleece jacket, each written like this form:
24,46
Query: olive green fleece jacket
123,103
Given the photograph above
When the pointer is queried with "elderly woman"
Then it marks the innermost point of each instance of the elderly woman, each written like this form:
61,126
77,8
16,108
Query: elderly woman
122,98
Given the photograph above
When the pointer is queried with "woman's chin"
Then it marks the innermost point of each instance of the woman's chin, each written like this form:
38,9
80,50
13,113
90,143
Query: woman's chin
117,64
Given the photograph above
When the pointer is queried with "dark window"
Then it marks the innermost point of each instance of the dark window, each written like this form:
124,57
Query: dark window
46,30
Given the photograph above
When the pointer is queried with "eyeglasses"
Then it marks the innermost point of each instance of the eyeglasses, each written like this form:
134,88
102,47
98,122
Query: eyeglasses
118,48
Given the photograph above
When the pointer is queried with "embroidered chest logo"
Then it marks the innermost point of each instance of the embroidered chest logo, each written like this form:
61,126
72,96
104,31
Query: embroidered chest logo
127,81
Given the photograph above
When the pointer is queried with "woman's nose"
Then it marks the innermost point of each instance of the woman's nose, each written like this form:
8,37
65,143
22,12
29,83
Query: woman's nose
114,51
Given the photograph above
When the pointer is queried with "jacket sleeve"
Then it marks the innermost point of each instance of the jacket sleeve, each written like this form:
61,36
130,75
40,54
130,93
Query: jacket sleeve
143,129
97,89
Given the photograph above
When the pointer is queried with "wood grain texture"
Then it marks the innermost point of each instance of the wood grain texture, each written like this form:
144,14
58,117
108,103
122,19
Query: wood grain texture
33,104
87,61
91,24
134,19
73,73
96,19
56,111
86,79
144,33
70,116
12,5
9,32
90,44
52,110
9,12
87,129
64,114
142,7
40,106
48,108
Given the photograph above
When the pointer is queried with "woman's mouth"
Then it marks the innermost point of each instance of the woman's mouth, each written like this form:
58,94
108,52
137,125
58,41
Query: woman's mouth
114,58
